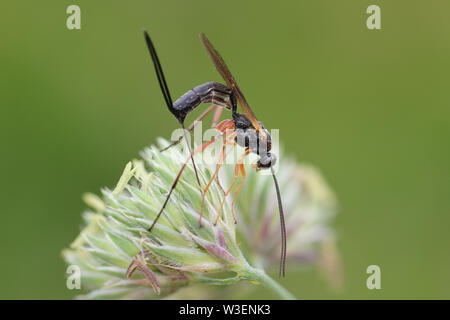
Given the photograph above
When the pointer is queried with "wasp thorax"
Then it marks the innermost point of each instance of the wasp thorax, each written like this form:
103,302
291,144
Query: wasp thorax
247,136
257,142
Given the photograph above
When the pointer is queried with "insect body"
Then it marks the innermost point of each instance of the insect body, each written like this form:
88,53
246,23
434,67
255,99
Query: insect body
243,129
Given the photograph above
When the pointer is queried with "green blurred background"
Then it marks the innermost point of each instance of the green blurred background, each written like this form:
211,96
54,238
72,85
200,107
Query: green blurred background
369,108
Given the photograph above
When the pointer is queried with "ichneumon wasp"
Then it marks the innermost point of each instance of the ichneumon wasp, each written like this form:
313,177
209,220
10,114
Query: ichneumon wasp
243,129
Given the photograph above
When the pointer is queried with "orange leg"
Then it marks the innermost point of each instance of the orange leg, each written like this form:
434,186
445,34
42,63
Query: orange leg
219,165
217,180
227,138
216,118
219,184
238,189
236,175
226,155
223,127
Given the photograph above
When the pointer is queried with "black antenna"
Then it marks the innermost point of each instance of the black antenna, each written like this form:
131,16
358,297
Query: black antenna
282,271
168,99
159,72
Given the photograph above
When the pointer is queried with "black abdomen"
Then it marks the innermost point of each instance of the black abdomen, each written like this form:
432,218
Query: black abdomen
212,91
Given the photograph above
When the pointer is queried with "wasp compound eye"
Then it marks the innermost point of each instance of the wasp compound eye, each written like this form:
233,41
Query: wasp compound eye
266,161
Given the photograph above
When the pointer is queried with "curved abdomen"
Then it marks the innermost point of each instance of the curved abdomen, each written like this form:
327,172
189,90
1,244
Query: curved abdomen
212,91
